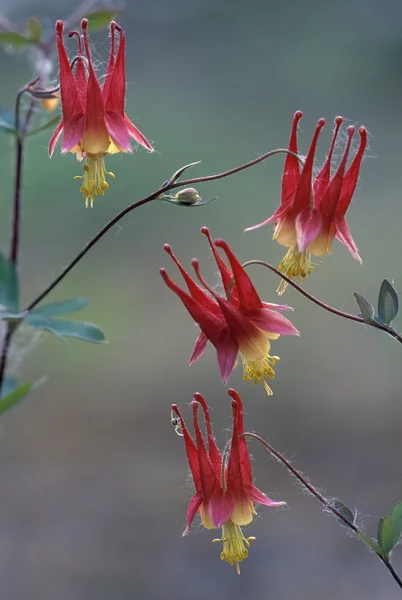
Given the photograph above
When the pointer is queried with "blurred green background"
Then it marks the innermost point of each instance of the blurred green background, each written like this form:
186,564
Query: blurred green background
94,479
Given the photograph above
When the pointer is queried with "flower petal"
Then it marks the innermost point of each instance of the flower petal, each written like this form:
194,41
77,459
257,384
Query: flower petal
227,352
118,131
248,295
213,450
291,169
256,496
271,322
228,281
55,137
352,174
308,224
191,450
220,508
343,235
192,509
199,347
303,194
137,135
322,179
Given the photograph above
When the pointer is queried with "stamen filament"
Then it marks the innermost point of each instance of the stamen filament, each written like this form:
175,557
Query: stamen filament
235,545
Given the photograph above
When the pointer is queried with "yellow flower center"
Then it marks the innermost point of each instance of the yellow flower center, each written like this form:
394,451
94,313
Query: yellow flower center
235,545
296,265
260,370
94,179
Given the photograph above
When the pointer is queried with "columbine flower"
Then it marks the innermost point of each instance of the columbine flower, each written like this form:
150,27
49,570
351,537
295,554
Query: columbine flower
312,211
239,323
224,491
94,122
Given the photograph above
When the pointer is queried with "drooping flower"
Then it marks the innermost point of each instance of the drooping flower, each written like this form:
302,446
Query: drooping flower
93,120
224,491
312,210
239,323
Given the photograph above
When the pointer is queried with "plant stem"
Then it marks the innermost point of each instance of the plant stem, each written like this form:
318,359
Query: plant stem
324,501
134,205
323,305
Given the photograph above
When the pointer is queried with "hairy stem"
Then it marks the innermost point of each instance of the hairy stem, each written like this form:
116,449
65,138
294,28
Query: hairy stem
324,501
327,307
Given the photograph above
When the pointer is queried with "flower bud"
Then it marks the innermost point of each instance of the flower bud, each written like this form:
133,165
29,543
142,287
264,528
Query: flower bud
188,196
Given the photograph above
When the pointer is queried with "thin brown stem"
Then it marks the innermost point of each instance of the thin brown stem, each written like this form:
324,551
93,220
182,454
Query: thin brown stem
134,205
324,501
327,307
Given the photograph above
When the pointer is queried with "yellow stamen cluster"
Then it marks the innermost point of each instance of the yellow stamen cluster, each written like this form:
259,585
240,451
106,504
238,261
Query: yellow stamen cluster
260,370
235,545
296,265
94,178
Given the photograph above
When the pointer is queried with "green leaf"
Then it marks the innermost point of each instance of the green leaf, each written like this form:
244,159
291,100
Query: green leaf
396,520
9,384
9,288
371,543
12,38
14,397
7,121
366,308
345,512
61,307
386,535
100,18
388,303
67,328
51,123
35,30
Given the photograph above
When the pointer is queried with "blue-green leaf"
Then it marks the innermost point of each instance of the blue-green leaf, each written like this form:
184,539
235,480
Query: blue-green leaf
371,544
9,384
61,307
68,328
14,397
100,18
345,512
35,30
12,38
388,303
366,308
9,288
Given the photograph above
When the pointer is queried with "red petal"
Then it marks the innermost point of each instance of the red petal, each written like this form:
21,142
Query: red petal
221,507
322,179
137,135
55,137
195,290
246,291
331,195
118,131
343,235
199,347
256,496
73,114
291,169
191,450
244,455
352,174
213,450
271,322
111,63
116,83
277,214
94,112
308,224
210,323
227,353
302,197
239,467
193,506
210,484
228,281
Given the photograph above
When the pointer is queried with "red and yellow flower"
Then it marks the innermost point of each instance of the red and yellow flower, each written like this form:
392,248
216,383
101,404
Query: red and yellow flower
93,121
237,324
312,210
224,491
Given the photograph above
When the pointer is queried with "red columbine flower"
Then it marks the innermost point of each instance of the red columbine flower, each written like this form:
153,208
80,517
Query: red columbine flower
312,210
224,493
94,122
239,323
